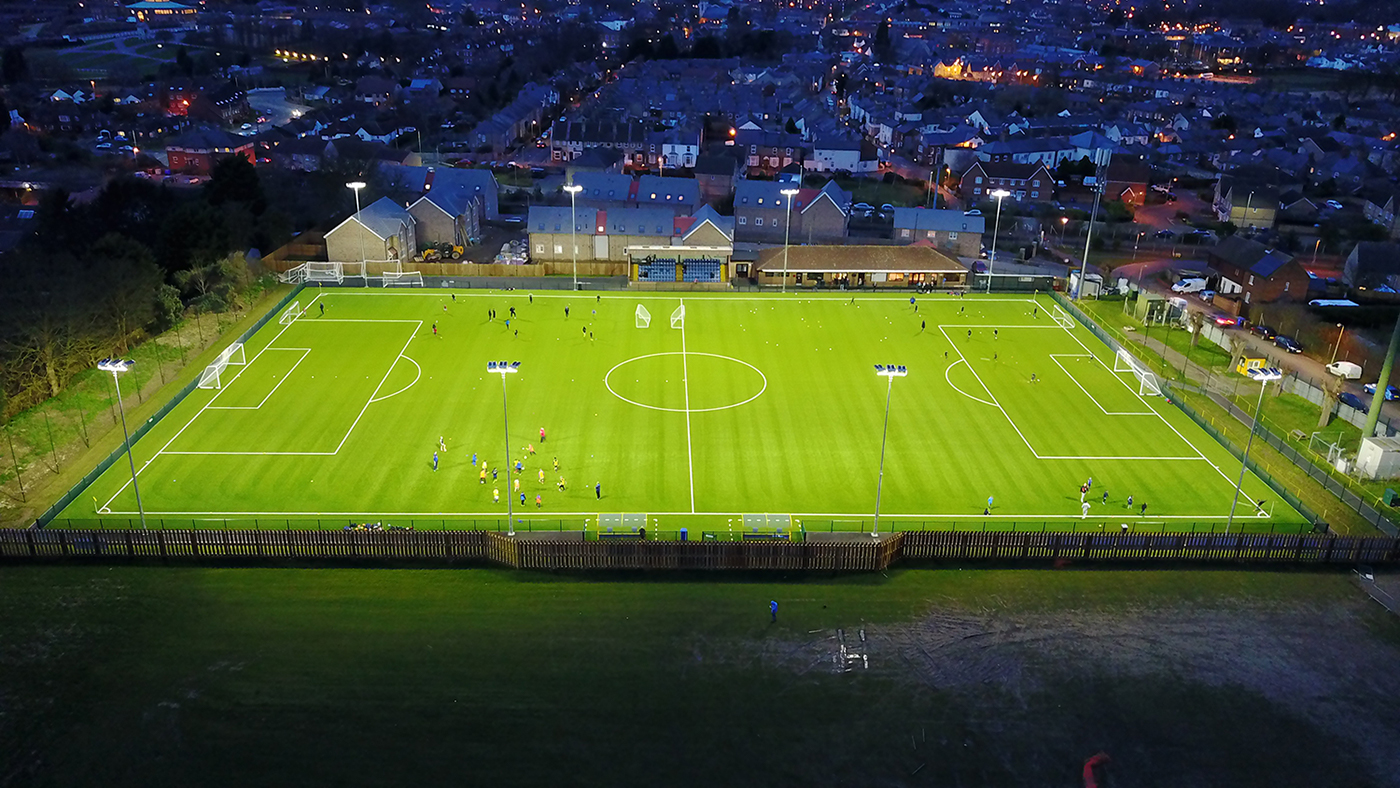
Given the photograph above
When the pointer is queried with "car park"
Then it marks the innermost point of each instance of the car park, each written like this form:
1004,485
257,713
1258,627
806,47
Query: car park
1390,391
1351,400
1263,331
1288,343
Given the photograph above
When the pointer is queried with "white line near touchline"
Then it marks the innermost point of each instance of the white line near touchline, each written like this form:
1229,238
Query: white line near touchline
685,379
305,352
977,516
1055,357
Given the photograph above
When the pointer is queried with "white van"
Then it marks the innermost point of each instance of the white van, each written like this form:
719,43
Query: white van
1345,369
1189,285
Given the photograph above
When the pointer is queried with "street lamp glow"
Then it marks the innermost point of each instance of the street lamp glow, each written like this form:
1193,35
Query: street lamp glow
889,372
116,366
1340,331
1000,194
1263,375
504,368
573,189
787,233
356,186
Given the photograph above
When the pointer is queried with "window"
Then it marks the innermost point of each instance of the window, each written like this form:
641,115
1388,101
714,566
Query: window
743,220
1036,183
1246,296
952,236
760,200
1251,280
775,223
558,249
653,195
1285,284
1035,194
753,149
539,248
745,200
904,233
978,179
758,221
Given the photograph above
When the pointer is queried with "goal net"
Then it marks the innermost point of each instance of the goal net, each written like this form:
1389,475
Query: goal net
643,317
325,272
293,312
212,377
1148,386
295,275
1061,318
678,317
403,279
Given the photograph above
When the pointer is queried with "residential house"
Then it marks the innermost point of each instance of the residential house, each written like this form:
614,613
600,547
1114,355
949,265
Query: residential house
1246,204
659,245
715,177
951,232
1126,180
605,190
1373,265
197,150
453,203
843,155
519,120
1257,273
770,151
1382,207
376,91
818,215
383,231
222,105
569,139
1026,182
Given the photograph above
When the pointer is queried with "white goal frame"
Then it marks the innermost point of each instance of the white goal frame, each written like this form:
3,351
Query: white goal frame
232,356
290,316
643,317
1148,385
325,272
678,317
1061,318
403,279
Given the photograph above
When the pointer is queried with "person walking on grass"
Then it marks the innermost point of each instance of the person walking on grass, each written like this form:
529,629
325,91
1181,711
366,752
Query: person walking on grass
483,476
541,475
923,324
517,484
495,495
442,445
773,611
435,460
566,313
1130,501
556,459
1105,498
539,502
435,333
454,298
598,490
323,309
1143,513
561,484
532,298
989,503
1083,489
522,497
512,311
1084,510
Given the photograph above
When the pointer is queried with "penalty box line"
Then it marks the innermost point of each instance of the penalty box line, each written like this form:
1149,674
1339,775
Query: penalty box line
1055,357
305,351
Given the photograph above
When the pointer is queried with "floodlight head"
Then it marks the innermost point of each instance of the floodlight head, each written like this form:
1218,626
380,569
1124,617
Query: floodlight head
573,188
356,185
891,370
879,369
788,192
1000,193
115,364
514,365
503,367
1265,374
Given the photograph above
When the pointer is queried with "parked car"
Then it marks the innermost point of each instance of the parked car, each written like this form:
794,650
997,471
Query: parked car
1390,391
1191,284
1334,205
973,212
1171,197
863,206
1228,321
1206,295
1288,343
1344,369
1165,234
1263,331
1351,400
886,208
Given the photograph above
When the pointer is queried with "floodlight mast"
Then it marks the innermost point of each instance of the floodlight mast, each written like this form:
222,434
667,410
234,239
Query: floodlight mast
505,368
356,186
787,233
573,189
1000,194
116,366
889,372
1263,375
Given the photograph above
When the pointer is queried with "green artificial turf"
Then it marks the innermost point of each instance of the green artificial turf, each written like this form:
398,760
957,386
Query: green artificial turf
759,404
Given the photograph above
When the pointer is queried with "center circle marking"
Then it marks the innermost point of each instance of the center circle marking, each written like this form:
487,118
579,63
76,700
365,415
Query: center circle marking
622,364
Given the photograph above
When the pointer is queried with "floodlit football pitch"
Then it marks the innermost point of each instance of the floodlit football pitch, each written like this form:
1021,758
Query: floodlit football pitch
750,404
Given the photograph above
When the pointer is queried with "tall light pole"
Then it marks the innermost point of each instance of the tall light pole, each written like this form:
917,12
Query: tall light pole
889,372
787,232
1340,331
1263,375
1089,233
117,366
356,186
1316,246
1064,222
505,368
996,228
573,189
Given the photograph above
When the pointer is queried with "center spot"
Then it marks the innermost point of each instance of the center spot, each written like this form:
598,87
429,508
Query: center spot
658,381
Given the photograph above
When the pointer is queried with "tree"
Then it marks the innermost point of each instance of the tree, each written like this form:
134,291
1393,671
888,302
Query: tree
130,283
213,281
666,49
883,48
183,62
1331,389
791,127
235,179
13,68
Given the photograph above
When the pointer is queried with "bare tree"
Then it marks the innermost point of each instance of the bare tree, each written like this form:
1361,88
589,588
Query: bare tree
1331,388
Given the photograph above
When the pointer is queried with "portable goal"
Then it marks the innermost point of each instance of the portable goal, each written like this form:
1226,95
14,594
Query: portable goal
325,272
643,317
293,312
403,279
1123,361
1061,318
212,377
678,317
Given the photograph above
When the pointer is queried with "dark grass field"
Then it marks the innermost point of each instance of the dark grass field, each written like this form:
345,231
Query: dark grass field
150,676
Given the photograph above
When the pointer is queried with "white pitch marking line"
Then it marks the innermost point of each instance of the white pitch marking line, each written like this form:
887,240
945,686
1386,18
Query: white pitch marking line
305,352
833,299
201,410
1156,518
1055,357
988,389
946,377
405,388
685,379
381,382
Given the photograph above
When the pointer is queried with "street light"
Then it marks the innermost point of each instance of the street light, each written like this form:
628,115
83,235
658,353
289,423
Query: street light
117,366
505,368
1263,375
356,186
889,372
996,228
787,233
1064,220
1340,331
573,189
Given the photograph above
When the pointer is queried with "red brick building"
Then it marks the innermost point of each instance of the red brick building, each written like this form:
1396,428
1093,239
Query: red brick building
197,151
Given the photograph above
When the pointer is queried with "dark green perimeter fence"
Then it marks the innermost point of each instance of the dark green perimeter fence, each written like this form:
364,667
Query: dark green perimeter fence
522,552
1367,512
141,429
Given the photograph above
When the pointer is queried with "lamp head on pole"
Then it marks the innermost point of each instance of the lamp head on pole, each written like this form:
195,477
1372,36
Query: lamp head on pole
788,192
891,370
573,188
115,364
1000,193
503,367
1265,374
356,185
